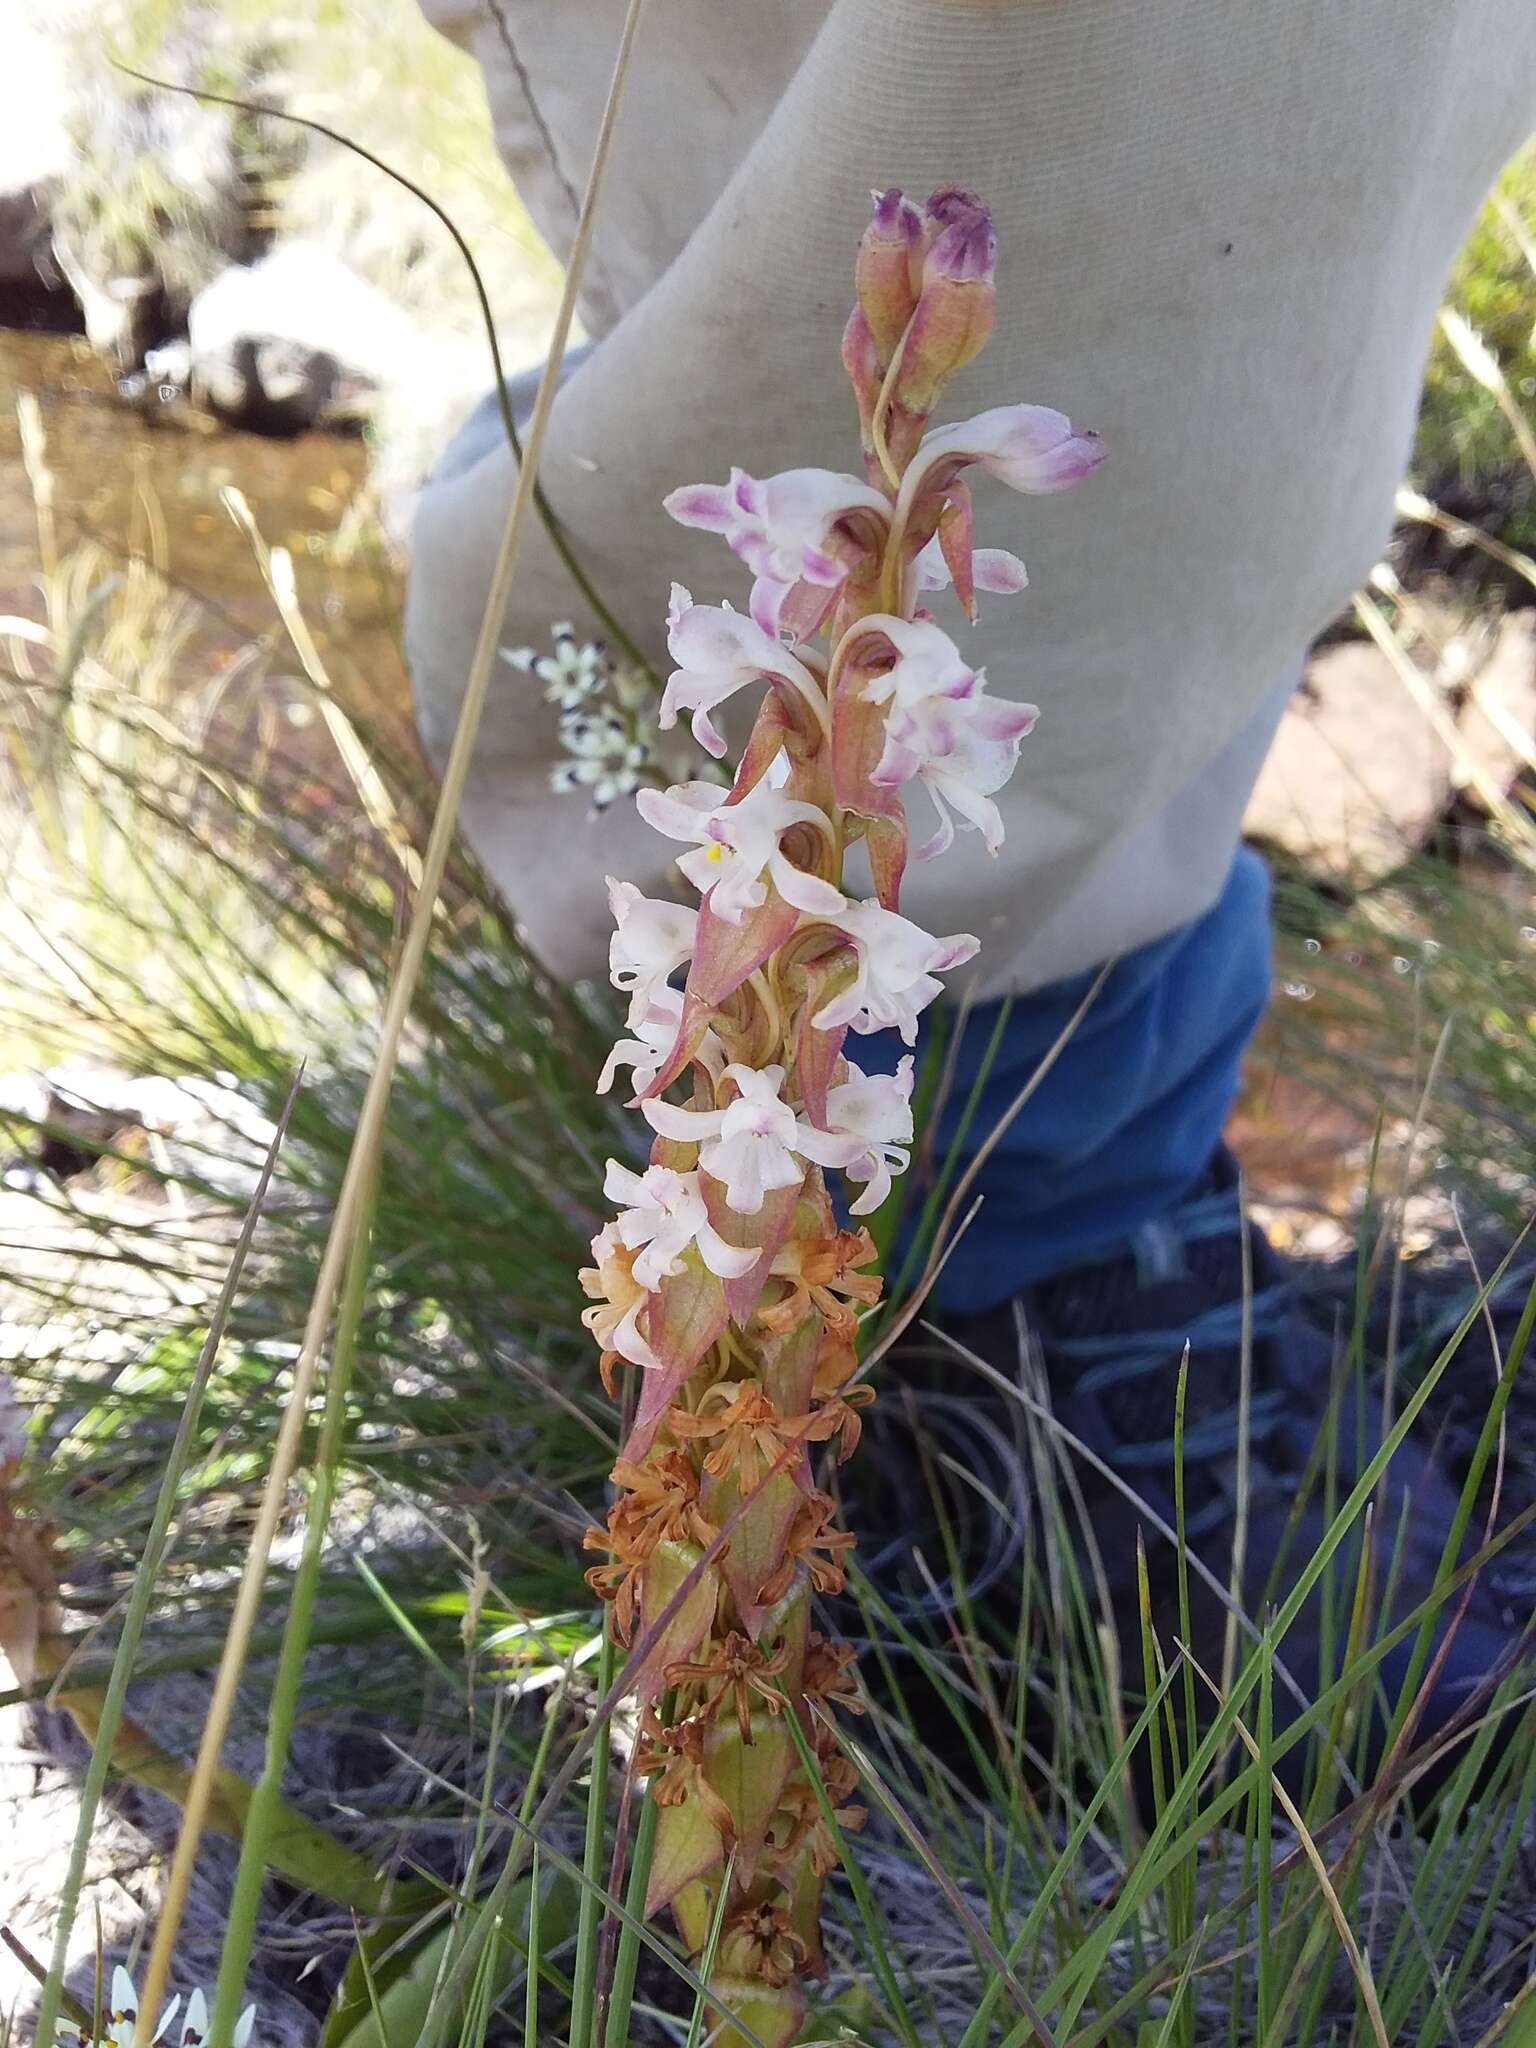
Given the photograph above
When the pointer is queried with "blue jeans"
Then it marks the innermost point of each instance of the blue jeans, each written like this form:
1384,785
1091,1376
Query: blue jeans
1126,1120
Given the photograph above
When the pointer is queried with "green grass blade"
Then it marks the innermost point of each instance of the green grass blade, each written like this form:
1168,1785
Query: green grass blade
139,1600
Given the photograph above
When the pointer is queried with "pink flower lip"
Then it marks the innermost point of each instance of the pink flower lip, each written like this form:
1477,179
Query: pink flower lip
964,254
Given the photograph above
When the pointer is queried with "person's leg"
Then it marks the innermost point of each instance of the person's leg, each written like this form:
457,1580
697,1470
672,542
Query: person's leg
1111,1237
1127,1117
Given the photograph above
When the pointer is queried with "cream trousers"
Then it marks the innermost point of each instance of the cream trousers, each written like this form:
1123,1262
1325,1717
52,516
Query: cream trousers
1224,228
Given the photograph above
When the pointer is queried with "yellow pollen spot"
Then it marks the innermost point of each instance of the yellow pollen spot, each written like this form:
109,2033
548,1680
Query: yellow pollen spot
715,850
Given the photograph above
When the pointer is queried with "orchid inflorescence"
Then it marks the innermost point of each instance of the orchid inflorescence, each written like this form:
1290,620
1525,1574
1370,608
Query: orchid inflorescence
726,1277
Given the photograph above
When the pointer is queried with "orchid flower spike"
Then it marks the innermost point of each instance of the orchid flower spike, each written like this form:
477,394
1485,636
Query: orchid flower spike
726,1274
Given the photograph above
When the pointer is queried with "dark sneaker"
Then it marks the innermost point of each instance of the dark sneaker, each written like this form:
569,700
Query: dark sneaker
1111,1336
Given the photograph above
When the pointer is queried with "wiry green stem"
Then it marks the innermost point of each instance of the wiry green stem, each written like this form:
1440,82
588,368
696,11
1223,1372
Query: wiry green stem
584,1976
143,1593
245,1903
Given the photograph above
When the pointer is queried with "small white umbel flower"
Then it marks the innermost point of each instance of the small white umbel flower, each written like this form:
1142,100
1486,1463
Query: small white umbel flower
118,2025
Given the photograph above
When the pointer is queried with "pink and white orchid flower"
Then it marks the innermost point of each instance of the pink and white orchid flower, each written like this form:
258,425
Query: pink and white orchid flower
928,664
655,1035
738,844
666,1214
898,963
943,729
962,751
750,1146
651,941
875,1109
718,652
784,528
615,1322
1030,448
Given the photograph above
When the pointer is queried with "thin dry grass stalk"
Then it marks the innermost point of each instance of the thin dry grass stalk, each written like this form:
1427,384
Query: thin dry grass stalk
375,1104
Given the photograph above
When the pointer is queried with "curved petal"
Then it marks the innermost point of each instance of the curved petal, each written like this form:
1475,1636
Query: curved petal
768,601
725,1261
976,808
683,694
678,811
898,763
941,840
999,572
805,891
829,1148
627,1052
707,637
710,506
688,1126
621,1184
954,952
879,1185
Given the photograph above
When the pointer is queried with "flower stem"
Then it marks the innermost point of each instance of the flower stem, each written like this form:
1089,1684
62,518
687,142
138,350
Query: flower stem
584,1975
616,2034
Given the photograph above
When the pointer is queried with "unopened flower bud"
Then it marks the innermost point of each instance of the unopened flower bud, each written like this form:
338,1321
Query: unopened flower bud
888,272
963,254
864,374
958,301
950,206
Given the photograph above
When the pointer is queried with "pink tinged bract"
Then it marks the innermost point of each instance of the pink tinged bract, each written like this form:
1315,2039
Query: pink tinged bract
738,845
762,1233
858,743
667,1216
687,1314
898,965
817,1052
719,651
784,528
671,1573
